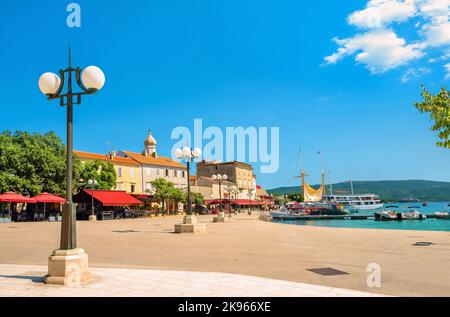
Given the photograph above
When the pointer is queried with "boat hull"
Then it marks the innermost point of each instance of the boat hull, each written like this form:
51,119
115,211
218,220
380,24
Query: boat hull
367,207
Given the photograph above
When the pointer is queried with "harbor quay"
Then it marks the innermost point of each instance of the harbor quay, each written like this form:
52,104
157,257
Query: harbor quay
260,258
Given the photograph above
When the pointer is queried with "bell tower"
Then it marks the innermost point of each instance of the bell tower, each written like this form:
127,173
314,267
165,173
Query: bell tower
150,145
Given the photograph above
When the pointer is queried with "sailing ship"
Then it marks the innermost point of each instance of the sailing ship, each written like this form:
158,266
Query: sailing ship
313,198
349,203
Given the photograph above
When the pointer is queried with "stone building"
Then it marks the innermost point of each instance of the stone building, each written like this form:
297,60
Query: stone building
238,174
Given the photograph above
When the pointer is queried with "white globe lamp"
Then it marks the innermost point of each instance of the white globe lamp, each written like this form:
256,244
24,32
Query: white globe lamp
49,83
93,78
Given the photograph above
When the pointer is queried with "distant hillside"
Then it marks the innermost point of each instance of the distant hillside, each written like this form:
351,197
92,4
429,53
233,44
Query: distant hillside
388,190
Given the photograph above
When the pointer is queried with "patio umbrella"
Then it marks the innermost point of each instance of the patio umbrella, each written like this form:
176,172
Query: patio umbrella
11,197
48,198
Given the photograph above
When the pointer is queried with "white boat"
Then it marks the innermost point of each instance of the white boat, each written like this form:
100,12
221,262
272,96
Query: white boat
411,215
385,215
442,215
356,202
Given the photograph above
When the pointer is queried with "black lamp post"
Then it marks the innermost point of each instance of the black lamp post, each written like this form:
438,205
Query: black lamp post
188,155
219,179
89,81
92,183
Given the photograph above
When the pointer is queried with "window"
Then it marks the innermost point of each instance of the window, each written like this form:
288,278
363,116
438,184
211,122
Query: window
119,171
183,175
147,171
132,172
148,186
133,188
167,173
157,172
175,173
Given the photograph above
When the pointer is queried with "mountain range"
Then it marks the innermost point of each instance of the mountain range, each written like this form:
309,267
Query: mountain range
395,190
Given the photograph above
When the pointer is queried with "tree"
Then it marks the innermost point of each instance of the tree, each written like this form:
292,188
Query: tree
103,172
177,195
162,190
197,199
34,163
439,108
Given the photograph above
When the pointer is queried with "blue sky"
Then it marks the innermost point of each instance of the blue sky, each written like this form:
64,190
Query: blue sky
240,63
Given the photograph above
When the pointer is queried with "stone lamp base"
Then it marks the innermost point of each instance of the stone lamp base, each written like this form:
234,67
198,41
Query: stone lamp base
68,268
190,225
92,218
220,217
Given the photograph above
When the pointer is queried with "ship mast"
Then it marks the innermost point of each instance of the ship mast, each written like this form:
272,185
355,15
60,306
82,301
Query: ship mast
302,174
351,182
322,171
331,183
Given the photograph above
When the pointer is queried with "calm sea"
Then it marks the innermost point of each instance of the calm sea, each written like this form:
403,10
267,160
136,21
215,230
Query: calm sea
427,224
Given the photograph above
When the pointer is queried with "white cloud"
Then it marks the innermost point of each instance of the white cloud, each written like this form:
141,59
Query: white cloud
414,73
437,34
379,13
379,50
442,57
447,71
433,8
436,29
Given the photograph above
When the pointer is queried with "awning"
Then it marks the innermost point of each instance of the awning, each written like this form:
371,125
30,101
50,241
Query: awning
247,202
48,198
217,201
11,197
242,202
113,197
142,197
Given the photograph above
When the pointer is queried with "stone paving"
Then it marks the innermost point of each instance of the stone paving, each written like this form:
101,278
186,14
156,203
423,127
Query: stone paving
26,280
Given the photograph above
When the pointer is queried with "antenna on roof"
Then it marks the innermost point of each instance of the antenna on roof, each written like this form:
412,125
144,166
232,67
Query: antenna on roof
107,146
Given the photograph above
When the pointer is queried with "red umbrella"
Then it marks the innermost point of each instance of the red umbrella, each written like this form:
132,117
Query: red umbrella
11,197
48,198
15,198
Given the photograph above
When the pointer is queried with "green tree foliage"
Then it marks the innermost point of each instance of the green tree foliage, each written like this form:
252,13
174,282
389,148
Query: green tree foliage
103,172
439,108
177,195
197,199
34,163
163,190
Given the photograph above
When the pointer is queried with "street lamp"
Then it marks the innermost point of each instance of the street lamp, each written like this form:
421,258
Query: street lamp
189,224
235,192
219,178
68,255
229,190
92,183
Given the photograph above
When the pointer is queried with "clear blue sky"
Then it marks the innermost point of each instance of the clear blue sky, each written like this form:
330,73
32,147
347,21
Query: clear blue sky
231,63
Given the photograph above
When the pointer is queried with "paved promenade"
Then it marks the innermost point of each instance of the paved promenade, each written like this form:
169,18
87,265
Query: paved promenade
247,246
26,280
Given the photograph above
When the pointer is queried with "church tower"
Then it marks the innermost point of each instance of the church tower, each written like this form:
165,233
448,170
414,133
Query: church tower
150,145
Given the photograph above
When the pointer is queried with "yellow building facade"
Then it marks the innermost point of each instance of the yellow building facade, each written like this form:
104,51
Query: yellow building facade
127,170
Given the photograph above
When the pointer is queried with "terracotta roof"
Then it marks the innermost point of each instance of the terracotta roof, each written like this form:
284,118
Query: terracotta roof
150,160
103,157
236,163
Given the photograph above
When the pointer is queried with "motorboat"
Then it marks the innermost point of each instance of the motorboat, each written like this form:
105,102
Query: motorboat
385,215
410,215
442,214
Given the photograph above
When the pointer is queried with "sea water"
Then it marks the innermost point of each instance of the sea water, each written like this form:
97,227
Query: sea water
431,224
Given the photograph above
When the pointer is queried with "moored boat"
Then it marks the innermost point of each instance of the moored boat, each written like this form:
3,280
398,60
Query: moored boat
410,215
385,215
442,214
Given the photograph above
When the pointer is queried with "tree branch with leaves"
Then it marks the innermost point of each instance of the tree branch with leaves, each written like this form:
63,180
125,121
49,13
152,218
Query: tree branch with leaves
439,108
